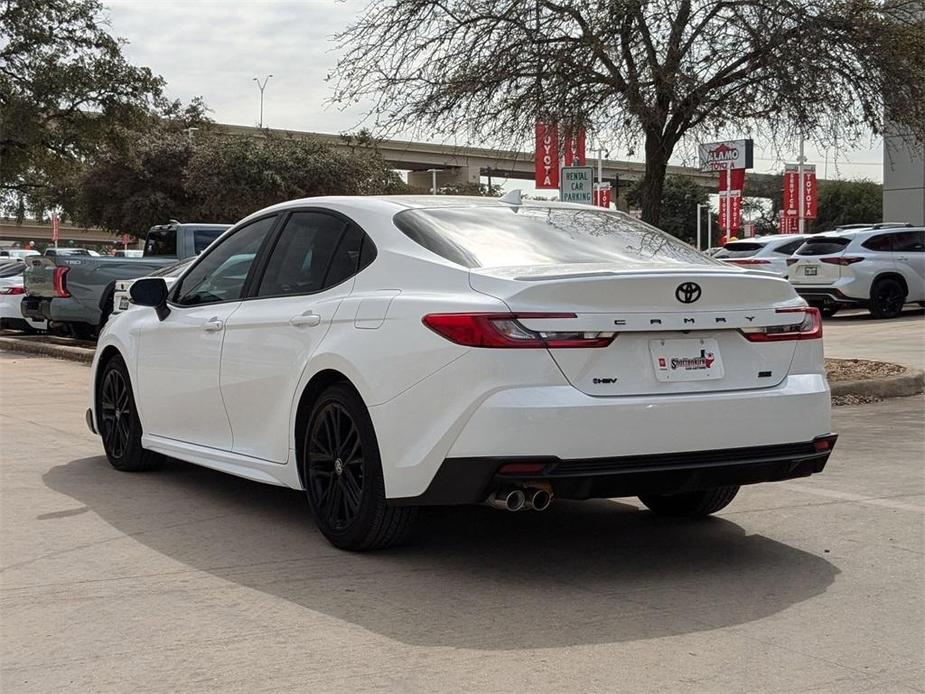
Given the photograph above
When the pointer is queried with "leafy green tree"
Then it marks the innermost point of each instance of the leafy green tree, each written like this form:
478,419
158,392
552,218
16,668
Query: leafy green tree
849,202
65,91
165,173
678,213
231,177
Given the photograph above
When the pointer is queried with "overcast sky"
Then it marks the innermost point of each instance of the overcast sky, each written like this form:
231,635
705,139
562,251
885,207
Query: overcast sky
214,48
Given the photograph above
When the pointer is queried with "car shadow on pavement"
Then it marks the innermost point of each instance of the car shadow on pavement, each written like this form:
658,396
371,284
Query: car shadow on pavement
471,577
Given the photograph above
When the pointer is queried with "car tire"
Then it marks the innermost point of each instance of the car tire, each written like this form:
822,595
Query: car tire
342,475
887,298
828,311
117,420
690,504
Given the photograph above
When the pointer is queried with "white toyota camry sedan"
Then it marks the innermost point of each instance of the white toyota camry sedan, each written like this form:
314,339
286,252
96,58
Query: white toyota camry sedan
387,353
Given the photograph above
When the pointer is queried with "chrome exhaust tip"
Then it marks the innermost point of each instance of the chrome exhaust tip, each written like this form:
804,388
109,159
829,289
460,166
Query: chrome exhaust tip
540,499
508,500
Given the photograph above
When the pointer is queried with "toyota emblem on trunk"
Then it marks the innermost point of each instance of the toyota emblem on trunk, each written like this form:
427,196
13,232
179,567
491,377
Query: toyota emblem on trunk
687,293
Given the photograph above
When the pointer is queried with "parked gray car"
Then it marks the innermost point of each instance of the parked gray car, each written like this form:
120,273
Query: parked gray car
75,292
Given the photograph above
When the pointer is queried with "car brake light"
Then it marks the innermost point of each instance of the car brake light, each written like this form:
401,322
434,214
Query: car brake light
749,261
851,260
809,327
13,290
60,282
792,261
504,330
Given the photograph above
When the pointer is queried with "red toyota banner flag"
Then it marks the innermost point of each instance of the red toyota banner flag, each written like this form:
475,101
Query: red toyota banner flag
574,145
602,194
810,191
738,179
791,208
735,216
732,193
546,159
55,228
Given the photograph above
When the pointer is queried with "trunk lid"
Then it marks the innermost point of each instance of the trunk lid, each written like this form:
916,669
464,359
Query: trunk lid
663,345
38,277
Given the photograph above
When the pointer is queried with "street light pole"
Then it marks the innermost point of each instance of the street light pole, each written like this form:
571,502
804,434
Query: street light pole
800,176
700,208
261,87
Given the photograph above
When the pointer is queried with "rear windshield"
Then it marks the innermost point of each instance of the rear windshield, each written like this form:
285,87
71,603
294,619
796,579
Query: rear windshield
532,235
161,242
739,249
823,246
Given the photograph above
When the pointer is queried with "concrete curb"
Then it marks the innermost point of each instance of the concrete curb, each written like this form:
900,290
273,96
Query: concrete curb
910,382
25,345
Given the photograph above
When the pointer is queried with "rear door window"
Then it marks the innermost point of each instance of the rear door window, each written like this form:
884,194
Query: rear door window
315,251
909,241
826,245
880,243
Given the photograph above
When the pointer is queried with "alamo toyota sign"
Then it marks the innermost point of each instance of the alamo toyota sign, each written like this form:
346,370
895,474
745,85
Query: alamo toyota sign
731,154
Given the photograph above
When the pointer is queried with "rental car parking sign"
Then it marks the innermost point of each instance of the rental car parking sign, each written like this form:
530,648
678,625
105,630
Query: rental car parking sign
576,184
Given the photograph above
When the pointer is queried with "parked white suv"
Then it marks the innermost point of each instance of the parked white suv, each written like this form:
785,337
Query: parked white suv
878,269
766,253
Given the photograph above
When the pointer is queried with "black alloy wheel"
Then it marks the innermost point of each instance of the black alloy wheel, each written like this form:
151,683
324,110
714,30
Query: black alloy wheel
887,298
335,466
117,420
115,413
342,475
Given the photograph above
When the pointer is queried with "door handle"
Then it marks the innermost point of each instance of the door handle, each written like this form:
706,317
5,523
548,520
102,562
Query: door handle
213,325
902,258
309,319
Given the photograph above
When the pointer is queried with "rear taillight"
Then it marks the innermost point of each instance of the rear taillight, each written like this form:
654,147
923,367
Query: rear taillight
60,282
842,260
807,325
13,290
505,331
792,261
749,261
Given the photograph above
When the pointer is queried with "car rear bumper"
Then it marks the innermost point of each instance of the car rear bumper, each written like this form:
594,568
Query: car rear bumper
828,296
563,425
34,307
471,480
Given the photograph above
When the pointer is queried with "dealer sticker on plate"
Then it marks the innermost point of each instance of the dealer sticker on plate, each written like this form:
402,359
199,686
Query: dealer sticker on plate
692,359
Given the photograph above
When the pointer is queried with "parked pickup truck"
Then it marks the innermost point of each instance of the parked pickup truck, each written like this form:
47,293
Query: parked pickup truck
75,292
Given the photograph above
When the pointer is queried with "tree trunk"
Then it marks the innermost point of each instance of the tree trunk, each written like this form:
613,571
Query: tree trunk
653,182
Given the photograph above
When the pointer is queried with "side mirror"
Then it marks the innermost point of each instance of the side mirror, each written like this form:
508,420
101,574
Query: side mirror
151,291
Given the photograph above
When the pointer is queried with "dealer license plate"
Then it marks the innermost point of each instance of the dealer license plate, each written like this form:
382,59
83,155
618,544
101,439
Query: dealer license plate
692,359
810,270
123,304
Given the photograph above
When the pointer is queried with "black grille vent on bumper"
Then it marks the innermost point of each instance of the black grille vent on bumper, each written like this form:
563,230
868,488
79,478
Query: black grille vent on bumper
667,461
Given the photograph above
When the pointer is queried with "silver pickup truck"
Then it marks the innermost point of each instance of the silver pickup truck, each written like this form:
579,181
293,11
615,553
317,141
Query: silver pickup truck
74,292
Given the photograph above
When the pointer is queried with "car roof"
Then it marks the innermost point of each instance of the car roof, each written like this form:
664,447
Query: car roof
856,233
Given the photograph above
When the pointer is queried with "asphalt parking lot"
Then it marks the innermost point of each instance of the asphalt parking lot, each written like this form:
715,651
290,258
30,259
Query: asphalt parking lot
185,579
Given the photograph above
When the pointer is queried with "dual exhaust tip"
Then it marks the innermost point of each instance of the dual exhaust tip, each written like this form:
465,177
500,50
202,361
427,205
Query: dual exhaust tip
530,499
